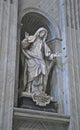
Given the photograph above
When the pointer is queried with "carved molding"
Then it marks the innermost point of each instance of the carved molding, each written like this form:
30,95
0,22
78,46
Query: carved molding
41,115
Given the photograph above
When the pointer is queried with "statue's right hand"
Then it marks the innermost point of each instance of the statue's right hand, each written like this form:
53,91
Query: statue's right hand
57,55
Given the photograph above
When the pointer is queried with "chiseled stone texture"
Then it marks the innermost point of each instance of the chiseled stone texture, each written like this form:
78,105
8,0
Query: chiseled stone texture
8,35
66,15
25,119
51,11
49,7
36,125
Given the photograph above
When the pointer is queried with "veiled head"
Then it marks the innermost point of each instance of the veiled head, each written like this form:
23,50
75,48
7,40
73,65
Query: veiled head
42,33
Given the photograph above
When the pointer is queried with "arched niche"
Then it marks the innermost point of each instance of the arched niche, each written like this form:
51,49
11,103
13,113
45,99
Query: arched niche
30,23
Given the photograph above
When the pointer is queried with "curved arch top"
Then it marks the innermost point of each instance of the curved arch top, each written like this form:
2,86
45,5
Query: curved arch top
51,23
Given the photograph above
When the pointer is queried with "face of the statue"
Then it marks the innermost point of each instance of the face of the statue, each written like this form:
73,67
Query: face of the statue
42,34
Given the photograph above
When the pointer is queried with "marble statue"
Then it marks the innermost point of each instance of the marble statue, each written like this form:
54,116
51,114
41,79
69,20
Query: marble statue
37,56
36,69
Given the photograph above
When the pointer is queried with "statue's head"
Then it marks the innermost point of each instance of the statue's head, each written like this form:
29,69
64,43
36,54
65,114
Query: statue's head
42,33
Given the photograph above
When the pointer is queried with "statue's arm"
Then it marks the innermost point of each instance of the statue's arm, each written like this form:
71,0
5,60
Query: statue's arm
24,43
49,54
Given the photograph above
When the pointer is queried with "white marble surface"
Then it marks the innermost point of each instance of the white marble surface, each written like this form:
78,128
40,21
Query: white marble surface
69,89
8,35
53,120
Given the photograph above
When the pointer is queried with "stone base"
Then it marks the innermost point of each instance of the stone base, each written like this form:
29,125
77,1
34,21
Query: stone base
27,102
25,119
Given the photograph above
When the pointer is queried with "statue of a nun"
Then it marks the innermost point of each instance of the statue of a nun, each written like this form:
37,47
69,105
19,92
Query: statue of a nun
36,53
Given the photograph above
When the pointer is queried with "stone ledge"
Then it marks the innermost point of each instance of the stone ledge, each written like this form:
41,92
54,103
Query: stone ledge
20,113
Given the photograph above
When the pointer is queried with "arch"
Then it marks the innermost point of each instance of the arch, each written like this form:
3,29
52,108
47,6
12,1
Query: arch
32,14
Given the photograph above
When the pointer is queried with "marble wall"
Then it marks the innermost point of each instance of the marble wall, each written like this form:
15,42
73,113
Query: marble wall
65,15
8,36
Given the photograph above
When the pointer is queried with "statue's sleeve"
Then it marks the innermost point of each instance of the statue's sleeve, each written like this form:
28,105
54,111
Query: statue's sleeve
48,52
24,69
24,43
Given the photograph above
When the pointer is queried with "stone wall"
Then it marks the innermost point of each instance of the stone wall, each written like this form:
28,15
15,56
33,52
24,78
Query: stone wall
65,15
50,10
8,35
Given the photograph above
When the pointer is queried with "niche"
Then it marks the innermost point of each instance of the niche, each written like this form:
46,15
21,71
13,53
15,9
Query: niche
30,23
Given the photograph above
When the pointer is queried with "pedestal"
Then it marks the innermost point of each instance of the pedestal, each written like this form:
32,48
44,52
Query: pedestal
27,102
25,119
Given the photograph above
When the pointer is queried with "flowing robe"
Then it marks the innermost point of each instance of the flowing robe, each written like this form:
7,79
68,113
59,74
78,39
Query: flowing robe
36,67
